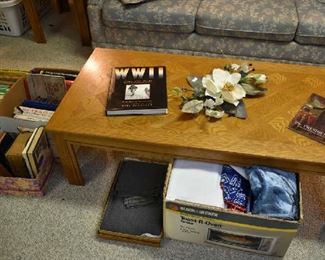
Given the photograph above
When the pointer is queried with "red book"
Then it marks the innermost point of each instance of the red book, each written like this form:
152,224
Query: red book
310,119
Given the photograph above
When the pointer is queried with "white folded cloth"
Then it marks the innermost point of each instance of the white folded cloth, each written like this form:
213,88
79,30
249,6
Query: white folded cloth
195,181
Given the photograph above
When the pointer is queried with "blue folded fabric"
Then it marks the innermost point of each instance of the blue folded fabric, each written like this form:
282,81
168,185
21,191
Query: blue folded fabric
274,191
236,189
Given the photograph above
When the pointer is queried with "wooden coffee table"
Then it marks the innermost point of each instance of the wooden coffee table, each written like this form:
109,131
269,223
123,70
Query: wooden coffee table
263,138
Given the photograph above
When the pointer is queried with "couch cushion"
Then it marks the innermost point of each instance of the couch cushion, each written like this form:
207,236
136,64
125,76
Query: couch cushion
263,19
311,28
165,16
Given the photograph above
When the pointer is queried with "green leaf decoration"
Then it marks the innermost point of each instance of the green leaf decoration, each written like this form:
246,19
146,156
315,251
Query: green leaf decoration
195,82
252,90
193,107
177,91
214,113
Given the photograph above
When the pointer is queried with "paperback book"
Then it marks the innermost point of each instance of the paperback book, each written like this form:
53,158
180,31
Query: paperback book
310,119
137,90
37,153
48,87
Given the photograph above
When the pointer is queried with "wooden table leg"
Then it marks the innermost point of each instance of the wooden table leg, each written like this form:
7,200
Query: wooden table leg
34,21
68,160
79,10
57,6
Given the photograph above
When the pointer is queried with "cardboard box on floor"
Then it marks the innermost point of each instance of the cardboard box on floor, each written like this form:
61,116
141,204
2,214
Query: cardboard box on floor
17,94
201,223
16,185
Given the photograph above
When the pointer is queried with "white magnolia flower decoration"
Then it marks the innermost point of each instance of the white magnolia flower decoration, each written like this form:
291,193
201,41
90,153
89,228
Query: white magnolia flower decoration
222,91
225,85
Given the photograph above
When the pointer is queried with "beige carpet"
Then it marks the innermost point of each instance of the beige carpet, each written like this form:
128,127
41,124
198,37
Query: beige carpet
63,224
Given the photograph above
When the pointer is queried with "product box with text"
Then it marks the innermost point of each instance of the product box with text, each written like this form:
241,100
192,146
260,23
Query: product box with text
202,223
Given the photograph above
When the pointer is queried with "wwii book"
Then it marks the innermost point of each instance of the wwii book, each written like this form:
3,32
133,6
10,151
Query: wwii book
310,119
137,90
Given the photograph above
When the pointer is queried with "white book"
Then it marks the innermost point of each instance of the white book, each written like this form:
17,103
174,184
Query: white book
24,154
32,114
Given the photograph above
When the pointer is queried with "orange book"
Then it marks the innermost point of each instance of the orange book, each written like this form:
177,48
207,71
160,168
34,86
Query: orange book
15,158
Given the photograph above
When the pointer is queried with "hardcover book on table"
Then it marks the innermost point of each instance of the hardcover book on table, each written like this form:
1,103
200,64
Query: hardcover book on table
310,119
137,90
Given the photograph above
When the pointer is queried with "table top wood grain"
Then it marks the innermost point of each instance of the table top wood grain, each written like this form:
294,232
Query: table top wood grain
263,138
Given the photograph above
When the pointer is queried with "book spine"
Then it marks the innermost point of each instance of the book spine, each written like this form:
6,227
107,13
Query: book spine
17,164
38,153
32,118
39,105
66,76
32,114
30,170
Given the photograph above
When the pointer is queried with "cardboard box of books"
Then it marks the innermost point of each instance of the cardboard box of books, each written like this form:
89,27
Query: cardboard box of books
14,176
46,88
197,208
133,209
25,108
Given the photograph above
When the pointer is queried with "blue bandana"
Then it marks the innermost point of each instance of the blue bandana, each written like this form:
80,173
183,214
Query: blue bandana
236,189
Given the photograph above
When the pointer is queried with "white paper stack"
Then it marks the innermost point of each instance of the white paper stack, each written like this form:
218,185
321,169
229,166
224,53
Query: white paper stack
197,182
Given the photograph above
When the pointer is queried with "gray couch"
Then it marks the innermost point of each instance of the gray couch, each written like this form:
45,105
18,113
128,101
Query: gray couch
291,30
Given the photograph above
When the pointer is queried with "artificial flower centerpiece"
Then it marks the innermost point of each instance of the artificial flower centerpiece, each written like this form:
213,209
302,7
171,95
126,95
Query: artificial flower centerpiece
222,91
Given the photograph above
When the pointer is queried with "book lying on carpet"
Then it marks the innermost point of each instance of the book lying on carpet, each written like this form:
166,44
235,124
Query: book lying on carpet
133,210
137,90
310,119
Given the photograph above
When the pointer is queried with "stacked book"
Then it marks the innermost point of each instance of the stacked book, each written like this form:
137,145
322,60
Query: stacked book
45,90
25,155
27,101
